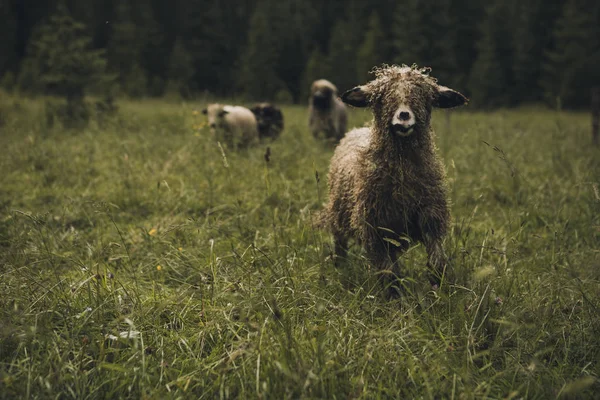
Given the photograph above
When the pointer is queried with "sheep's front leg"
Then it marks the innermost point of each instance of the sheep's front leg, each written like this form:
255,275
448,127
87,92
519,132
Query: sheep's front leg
340,248
433,223
436,260
384,261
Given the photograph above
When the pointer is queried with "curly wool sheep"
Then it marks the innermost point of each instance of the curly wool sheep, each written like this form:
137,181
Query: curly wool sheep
234,125
386,182
327,114
269,120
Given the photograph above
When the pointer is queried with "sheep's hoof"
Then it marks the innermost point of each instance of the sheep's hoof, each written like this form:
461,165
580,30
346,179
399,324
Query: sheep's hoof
395,290
337,260
435,280
392,283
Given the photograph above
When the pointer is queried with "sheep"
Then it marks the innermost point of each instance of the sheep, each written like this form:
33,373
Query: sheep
327,114
234,125
387,186
269,120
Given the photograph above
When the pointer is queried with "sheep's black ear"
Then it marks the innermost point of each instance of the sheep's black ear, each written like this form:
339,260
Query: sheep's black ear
205,111
222,113
356,97
448,98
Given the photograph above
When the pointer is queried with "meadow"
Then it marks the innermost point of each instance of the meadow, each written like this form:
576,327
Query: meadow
139,259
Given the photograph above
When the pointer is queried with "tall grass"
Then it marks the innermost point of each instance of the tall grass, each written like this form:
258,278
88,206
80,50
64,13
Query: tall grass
139,259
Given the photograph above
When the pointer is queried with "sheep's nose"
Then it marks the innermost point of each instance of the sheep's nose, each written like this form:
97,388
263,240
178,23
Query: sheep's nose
404,116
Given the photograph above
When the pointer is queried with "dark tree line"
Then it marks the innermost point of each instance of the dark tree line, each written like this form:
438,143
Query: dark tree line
500,52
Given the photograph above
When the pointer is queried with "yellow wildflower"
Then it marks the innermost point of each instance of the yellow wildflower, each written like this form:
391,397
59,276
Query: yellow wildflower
180,249
152,231
158,268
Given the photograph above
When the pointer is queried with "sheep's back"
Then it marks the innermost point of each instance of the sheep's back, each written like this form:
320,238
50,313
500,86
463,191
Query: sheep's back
243,121
350,147
343,173
341,118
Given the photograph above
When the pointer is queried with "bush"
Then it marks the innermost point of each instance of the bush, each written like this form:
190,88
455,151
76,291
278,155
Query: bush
8,81
61,60
70,115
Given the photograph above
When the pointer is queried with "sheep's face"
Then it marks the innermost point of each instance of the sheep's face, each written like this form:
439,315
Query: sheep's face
322,94
405,108
267,116
216,116
402,98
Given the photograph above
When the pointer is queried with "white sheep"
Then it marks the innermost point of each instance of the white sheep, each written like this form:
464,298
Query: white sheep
236,126
327,113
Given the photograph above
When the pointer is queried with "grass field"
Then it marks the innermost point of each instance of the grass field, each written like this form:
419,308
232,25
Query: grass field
138,259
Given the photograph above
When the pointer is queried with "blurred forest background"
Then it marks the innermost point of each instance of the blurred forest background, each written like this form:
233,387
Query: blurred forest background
498,52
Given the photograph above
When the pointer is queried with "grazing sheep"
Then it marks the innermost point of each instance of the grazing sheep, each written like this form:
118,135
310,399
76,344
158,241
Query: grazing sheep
327,114
269,120
233,125
386,182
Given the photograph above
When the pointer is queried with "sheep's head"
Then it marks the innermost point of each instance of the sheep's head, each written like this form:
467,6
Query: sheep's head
216,114
322,93
402,98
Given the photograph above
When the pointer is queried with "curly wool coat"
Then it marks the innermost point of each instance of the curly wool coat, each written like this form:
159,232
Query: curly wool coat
386,183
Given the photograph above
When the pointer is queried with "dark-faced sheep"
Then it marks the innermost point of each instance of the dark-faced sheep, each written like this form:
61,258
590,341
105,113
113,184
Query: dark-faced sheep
327,114
269,120
386,183
233,125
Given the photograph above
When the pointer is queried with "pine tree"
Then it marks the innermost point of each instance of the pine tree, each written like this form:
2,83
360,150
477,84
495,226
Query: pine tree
372,51
214,34
341,59
424,33
491,75
181,69
8,44
346,38
576,44
467,15
326,14
154,47
527,50
443,43
258,77
124,51
61,54
409,38
8,81
295,31
138,45
316,68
